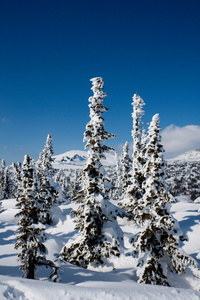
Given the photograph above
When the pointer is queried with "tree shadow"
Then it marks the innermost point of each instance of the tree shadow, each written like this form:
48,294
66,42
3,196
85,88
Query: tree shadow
72,274
6,234
187,223
7,255
13,271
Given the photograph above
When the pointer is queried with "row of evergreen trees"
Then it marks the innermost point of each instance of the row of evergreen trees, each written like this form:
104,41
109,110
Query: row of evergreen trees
140,186
145,201
10,178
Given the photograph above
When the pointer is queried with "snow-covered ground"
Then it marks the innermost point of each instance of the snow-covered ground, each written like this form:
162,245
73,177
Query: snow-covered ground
116,281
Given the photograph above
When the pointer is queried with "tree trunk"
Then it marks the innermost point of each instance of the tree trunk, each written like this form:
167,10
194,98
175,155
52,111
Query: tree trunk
31,267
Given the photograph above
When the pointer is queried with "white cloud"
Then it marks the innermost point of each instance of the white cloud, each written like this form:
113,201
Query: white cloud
177,140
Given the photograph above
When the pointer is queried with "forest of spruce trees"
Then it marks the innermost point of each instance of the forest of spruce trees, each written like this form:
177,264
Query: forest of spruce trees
137,191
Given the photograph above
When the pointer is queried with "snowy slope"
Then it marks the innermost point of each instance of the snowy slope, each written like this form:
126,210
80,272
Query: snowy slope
116,281
23,289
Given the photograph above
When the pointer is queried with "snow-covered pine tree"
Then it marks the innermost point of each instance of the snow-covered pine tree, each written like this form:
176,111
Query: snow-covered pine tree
18,179
126,163
75,185
116,191
158,241
31,235
2,175
2,168
99,234
61,179
135,190
15,170
7,184
144,140
45,158
50,193
3,164
118,170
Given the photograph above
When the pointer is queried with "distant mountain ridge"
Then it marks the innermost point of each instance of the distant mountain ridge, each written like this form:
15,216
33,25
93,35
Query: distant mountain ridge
183,171
79,158
71,156
192,155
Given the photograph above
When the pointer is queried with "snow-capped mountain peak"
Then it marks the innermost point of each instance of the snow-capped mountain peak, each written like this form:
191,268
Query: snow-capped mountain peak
193,155
71,156
78,158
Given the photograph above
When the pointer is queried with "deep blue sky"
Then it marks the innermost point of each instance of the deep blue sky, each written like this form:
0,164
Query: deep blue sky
49,50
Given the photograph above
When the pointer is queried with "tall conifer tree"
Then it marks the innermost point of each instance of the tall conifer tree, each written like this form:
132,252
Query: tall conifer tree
45,158
116,191
2,179
135,190
2,168
126,168
7,184
30,233
50,193
61,179
158,242
99,234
